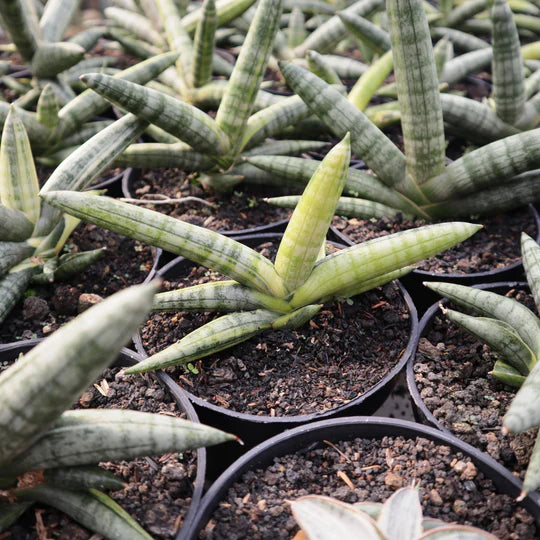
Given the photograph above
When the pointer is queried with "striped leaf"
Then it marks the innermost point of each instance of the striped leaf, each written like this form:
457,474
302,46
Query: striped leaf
418,90
349,267
203,44
39,387
345,67
12,288
47,107
507,64
486,166
465,64
507,374
367,32
227,11
367,141
89,37
136,24
357,183
237,103
297,318
12,253
323,518
98,513
296,31
322,68
462,40
53,58
83,477
366,86
56,18
14,225
19,185
178,38
524,411
311,218
184,121
19,20
88,104
489,304
217,296
500,336
443,51
286,147
530,252
333,30
213,337
83,437
465,11
532,475
203,246
474,119
274,119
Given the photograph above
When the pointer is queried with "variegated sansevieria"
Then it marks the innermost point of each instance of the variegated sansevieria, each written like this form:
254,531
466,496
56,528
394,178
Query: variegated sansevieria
400,516
39,434
262,295
513,331
417,182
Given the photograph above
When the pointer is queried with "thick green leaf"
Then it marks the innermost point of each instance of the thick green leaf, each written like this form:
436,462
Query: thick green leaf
203,44
50,59
83,477
530,252
201,245
14,225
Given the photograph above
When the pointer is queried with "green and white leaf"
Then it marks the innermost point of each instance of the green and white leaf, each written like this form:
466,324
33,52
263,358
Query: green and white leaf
530,252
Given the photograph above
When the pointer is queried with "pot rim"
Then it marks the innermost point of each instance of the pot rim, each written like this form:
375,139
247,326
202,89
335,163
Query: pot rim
127,357
348,427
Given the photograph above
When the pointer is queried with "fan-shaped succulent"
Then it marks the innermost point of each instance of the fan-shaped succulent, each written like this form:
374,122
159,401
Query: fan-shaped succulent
263,295
513,331
39,435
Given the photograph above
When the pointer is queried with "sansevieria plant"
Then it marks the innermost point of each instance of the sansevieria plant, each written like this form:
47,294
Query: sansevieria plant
513,331
400,516
32,234
204,145
61,447
495,177
263,295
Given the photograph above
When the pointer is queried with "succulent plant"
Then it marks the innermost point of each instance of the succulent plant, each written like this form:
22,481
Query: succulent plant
33,234
513,332
417,181
263,295
400,516
204,145
39,435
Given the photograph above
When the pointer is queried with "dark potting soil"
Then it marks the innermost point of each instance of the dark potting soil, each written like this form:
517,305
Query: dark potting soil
241,209
47,307
157,490
452,372
451,488
343,351
495,246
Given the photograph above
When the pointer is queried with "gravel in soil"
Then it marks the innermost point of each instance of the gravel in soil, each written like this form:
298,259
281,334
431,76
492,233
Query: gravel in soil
452,373
46,308
241,209
344,350
158,489
451,488
495,246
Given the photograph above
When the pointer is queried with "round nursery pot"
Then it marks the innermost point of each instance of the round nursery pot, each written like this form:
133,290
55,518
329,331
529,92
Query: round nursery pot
10,352
356,459
451,387
252,427
482,248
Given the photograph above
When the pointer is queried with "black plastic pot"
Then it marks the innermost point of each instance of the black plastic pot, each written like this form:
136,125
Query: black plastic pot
424,297
10,352
253,429
311,435
421,411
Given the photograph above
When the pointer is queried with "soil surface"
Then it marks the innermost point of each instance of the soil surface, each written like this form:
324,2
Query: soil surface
242,208
47,307
452,372
343,351
495,246
157,490
451,488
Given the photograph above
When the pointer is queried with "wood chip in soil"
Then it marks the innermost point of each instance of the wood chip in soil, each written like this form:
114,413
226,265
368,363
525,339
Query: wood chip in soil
451,488
452,372
343,351
495,246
